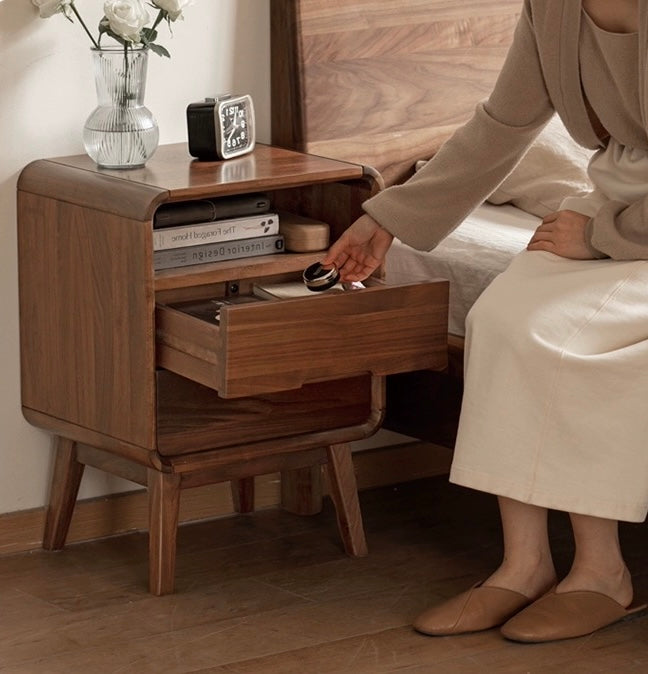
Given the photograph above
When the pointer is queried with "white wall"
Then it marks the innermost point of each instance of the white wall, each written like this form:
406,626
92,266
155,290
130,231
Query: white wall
46,92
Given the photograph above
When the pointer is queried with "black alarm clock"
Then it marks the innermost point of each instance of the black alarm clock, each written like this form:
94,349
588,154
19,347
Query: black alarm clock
221,127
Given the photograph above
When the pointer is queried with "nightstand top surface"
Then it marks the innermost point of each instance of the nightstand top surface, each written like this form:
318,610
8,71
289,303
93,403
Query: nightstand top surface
173,175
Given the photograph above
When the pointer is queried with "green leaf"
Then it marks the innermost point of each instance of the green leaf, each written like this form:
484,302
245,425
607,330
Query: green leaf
148,35
158,49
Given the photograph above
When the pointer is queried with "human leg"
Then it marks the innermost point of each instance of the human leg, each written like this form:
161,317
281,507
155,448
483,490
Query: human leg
555,388
598,561
543,380
527,566
596,592
526,572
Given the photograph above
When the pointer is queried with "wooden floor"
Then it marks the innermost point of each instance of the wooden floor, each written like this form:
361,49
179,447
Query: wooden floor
273,593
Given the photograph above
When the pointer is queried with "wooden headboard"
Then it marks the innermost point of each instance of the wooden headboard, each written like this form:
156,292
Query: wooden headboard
382,82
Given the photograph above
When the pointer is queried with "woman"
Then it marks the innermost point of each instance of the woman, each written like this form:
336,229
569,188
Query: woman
556,389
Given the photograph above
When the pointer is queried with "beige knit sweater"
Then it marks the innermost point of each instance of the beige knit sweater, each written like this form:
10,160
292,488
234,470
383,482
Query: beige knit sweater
540,75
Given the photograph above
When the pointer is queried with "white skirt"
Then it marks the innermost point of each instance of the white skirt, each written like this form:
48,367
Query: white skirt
555,408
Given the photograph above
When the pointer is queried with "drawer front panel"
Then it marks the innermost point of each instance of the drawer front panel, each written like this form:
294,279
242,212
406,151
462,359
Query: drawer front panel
281,345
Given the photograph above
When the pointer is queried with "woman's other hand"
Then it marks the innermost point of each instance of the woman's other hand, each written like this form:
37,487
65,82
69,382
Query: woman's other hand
360,250
563,233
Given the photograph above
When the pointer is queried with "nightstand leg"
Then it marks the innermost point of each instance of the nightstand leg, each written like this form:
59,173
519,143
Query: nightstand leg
164,505
344,492
243,494
66,479
301,490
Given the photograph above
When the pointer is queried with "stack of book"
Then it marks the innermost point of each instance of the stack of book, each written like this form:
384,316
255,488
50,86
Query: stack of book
211,230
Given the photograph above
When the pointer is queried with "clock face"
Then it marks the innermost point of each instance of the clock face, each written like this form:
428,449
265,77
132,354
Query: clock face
236,117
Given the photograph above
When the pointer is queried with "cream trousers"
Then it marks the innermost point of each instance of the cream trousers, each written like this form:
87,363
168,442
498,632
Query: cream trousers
555,408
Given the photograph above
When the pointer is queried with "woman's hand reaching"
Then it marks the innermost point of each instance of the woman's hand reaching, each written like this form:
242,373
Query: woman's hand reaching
360,250
563,233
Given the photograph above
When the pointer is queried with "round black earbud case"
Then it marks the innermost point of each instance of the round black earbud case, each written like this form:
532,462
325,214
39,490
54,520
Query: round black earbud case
318,278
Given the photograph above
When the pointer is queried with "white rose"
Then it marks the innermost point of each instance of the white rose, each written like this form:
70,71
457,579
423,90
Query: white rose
48,8
173,8
126,18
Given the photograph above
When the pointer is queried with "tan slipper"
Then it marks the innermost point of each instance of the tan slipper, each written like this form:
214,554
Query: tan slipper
479,608
565,615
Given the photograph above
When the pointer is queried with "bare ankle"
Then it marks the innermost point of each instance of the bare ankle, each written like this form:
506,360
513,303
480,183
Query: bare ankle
532,577
614,581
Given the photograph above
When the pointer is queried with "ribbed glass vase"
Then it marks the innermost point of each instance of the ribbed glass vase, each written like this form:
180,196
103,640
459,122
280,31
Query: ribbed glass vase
120,132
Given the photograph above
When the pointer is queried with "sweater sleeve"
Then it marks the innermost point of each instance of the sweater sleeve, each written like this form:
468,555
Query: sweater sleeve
620,231
479,155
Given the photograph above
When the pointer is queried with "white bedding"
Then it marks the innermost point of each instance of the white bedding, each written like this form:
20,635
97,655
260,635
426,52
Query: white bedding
479,249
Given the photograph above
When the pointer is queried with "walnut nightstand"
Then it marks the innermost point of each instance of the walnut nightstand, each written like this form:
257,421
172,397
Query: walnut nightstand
135,387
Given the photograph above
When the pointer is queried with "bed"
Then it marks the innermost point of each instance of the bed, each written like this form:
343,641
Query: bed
384,83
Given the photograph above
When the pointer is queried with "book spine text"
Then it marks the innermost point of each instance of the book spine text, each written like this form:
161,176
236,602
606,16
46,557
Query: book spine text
218,230
216,252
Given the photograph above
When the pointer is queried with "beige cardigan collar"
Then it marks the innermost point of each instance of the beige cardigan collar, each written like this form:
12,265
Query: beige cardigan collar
559,55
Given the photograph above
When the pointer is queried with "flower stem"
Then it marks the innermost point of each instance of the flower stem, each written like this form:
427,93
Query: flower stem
158,18
126,89
78,16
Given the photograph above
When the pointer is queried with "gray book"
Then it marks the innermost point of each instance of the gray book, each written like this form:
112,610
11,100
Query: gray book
218,251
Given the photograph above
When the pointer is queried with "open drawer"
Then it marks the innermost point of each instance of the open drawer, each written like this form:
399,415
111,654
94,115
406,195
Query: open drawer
278,345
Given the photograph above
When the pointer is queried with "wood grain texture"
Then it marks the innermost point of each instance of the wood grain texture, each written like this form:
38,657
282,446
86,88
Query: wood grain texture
164,509
272,594
301,490
333,337
192,417
250,465
382,83
88,293
172,175
113,464
66,480
91,188
385,84
243,494
86,310
127,512
344,492
272,346
92,438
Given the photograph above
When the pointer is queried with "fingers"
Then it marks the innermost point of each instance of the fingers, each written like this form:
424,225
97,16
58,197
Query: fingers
360,250
547,245
356,271
357,267
352,263
546,227
542,236
336,253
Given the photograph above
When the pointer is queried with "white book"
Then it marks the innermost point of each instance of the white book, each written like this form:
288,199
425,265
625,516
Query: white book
215,231
291,290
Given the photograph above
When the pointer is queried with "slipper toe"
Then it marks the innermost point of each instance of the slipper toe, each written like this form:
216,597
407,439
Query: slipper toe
479,608
565,615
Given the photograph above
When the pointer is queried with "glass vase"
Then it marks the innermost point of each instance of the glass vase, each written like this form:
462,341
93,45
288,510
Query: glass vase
120,132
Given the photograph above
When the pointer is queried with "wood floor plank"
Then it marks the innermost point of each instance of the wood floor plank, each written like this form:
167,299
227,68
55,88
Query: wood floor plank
273,592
